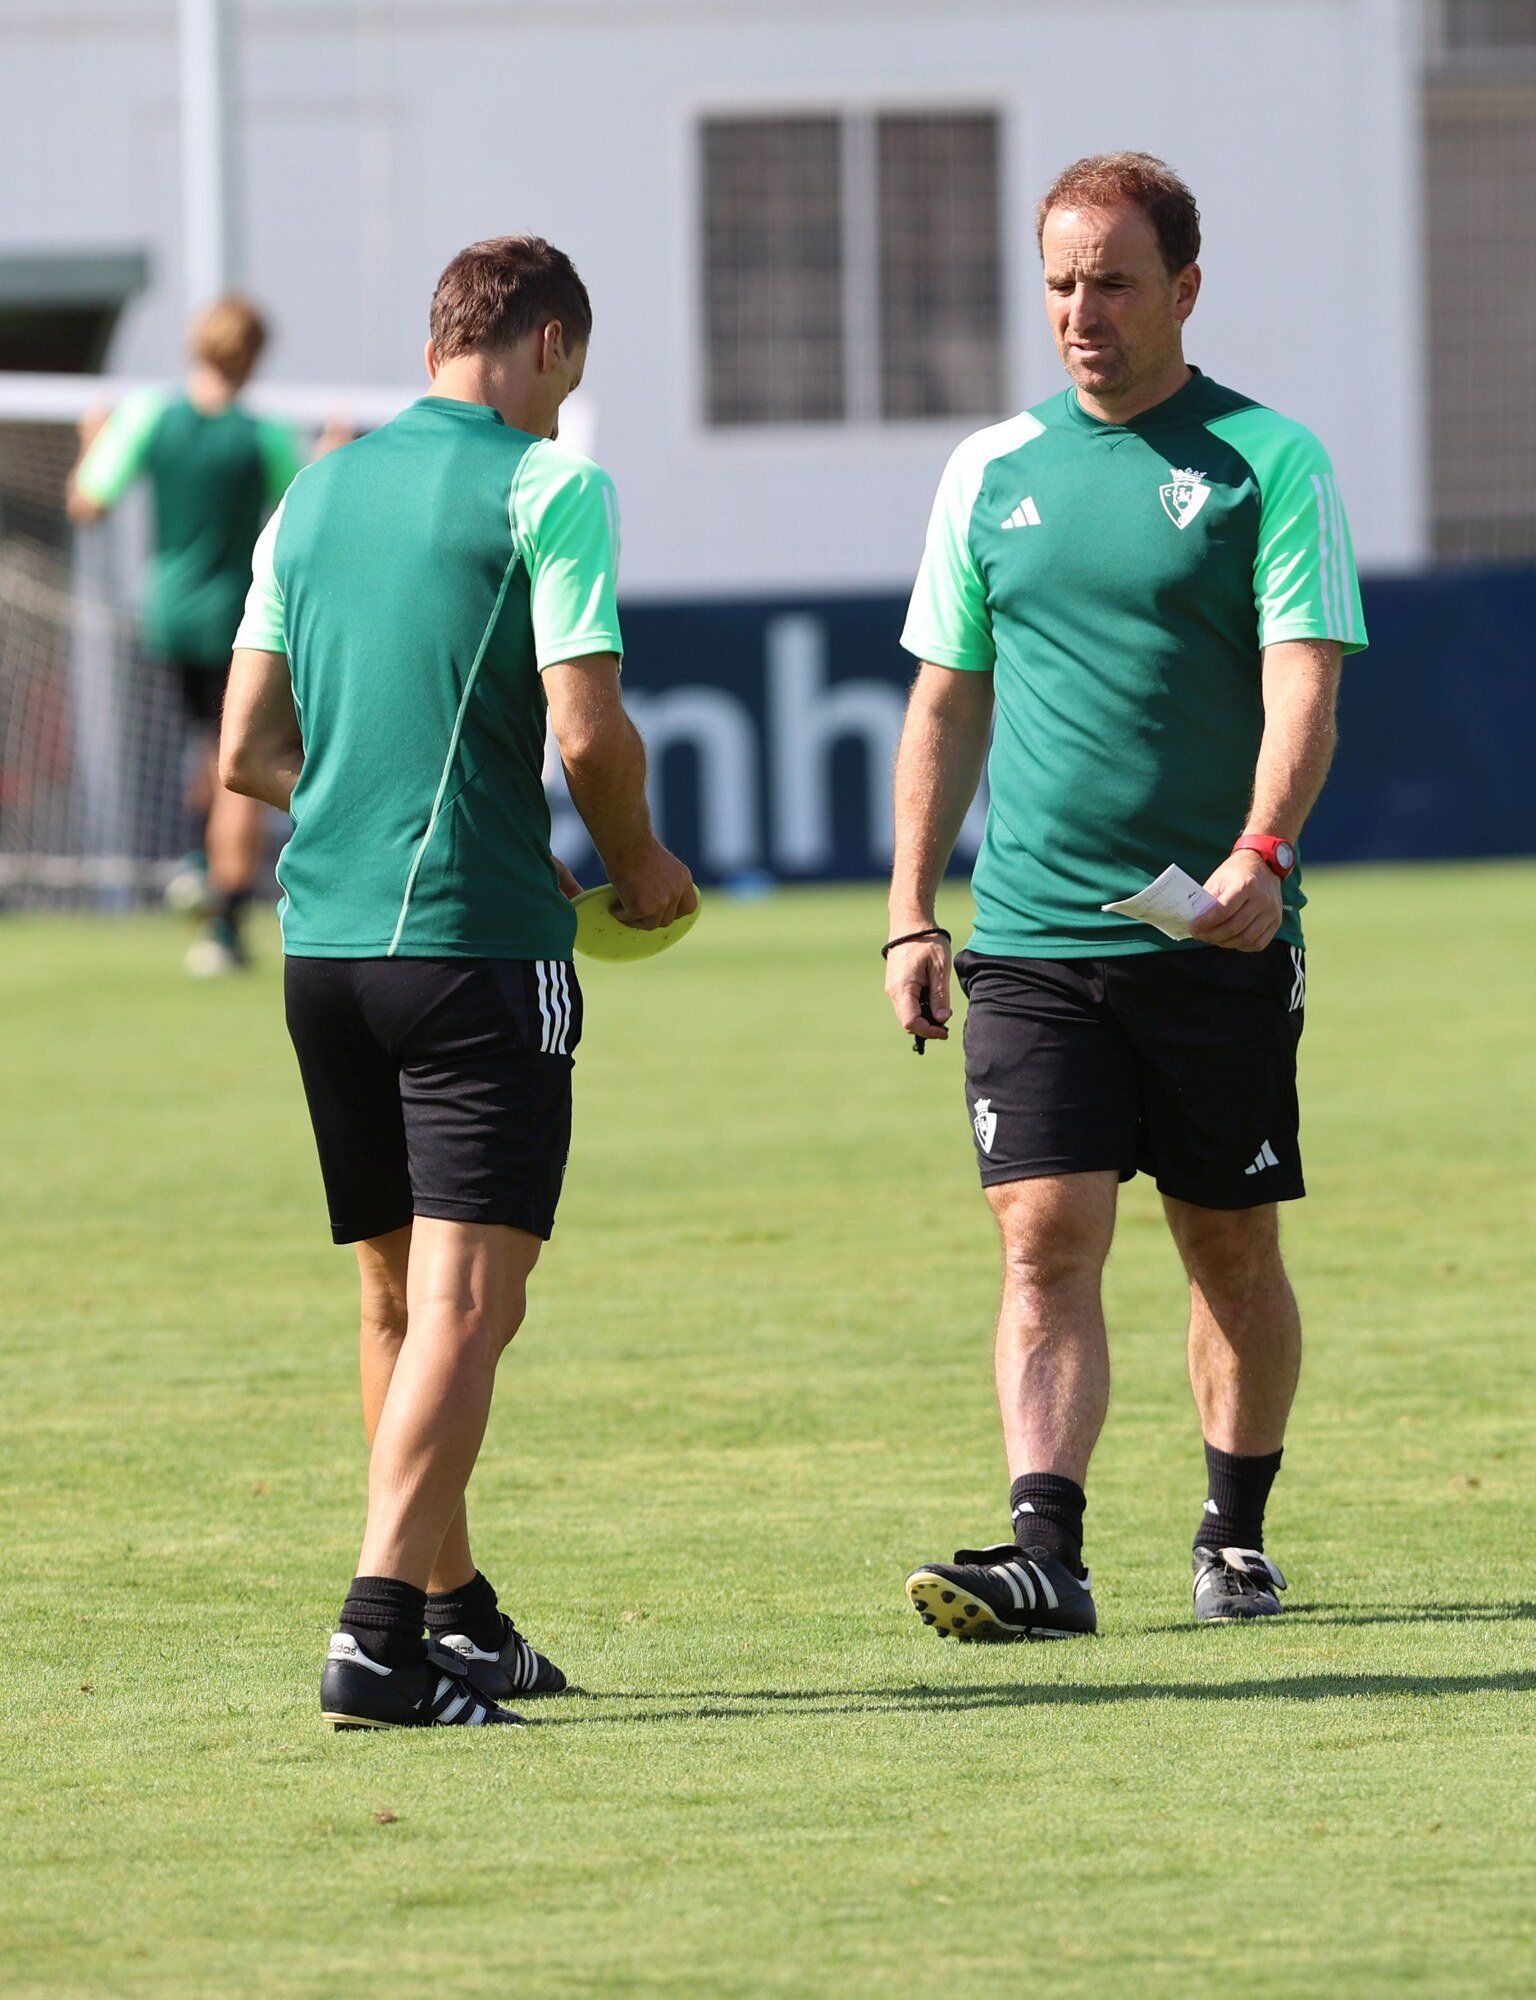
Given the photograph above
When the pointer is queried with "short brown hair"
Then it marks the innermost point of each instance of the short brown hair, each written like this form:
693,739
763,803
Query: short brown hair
228,334
494,292
1143,181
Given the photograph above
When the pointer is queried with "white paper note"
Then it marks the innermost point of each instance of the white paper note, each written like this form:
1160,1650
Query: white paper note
1170,904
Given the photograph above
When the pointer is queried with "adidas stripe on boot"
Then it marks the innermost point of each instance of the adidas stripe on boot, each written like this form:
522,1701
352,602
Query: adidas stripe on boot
360,1692
1003,1593
514,1668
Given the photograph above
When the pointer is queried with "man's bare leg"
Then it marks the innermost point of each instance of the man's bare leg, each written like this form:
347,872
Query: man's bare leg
202,783
1244,1362
1052,1364
466,1290
234,837
463,1289
188,888
1244,1329
1052,1353
440,1301
382,1264
234,841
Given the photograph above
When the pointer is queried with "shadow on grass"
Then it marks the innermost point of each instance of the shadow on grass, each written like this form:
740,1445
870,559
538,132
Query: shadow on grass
1387,1614
747,1704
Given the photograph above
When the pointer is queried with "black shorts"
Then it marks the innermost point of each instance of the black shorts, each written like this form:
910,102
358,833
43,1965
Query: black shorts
1179,1064
436,1086
201,689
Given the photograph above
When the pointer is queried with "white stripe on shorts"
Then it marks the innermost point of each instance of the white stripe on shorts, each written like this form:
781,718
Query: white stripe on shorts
563,976
545,972
557,1006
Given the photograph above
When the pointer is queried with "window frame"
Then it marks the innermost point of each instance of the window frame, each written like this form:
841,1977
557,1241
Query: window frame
1444,54
862,432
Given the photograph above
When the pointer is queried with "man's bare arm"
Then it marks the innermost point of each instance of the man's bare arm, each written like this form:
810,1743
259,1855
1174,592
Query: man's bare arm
80,508
1301,691
261,751
938,767
604,761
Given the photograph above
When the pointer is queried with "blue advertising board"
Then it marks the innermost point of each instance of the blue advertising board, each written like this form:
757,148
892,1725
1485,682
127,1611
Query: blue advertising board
772,727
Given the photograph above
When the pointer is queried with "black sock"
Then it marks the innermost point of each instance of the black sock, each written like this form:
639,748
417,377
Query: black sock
385,1617
1048,1514
231,907
1237,1490
471,1609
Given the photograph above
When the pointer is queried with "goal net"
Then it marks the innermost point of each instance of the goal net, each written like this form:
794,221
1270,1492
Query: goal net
94,746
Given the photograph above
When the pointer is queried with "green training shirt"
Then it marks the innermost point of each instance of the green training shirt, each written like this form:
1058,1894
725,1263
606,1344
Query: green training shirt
1119,581
213,479
419,581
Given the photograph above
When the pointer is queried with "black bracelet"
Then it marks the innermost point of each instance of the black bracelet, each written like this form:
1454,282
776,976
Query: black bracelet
913,937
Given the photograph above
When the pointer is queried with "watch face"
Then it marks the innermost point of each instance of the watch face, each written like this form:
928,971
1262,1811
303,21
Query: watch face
1285,854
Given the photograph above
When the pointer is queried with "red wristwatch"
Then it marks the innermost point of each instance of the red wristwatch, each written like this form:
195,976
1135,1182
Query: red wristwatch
1279,855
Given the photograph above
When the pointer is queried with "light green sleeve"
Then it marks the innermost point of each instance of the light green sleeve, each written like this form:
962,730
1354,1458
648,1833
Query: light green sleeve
117,453
948,621
565,526
261,627
280,455
1304,581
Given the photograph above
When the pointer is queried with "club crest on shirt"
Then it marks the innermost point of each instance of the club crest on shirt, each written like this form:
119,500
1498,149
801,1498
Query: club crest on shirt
1184,495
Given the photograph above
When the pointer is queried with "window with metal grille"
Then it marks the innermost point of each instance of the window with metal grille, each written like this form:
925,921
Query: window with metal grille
852,268
1480,270
1487,24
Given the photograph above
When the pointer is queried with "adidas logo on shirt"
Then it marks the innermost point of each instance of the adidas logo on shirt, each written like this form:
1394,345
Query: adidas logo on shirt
1265,1157
1025,515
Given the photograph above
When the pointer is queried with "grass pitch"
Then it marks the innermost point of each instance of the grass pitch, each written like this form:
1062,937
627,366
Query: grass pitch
753,1391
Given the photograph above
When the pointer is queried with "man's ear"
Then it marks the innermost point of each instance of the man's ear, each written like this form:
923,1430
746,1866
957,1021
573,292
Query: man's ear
552,346
1188,291
429,355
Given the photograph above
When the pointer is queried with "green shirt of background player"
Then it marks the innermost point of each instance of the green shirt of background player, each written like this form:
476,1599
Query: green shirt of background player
425,602
214,471
1141,590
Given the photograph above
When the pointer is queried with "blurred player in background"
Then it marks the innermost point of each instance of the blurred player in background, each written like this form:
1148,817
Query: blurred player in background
431,600
215,472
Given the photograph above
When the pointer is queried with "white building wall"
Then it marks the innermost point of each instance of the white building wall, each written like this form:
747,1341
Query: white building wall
380,137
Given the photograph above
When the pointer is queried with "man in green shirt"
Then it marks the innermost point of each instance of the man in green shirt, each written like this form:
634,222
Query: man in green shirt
214,472
1143,588
423,602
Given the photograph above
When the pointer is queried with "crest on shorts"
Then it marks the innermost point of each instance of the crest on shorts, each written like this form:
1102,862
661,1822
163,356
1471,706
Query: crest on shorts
1184,495
985,1122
